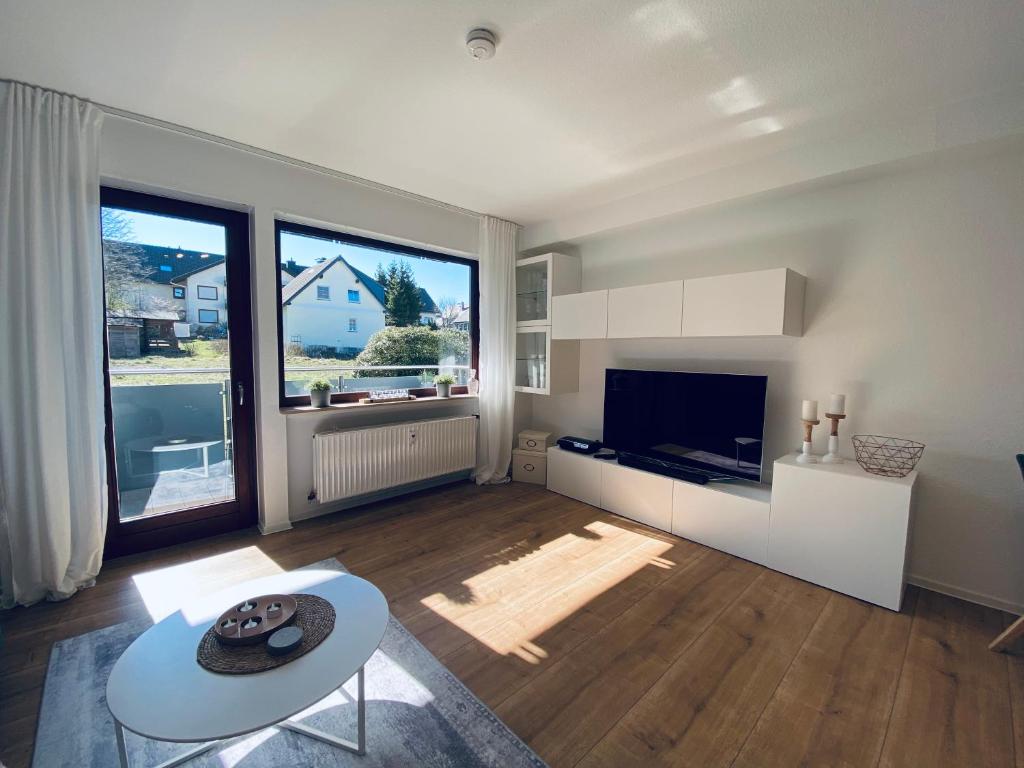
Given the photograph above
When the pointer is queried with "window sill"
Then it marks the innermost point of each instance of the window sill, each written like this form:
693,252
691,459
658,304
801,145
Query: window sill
297,409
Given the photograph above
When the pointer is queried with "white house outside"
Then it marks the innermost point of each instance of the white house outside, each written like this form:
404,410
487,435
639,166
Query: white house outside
206,293
332,304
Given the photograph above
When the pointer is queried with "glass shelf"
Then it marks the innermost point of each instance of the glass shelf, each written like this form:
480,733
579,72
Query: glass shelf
532,360
532,282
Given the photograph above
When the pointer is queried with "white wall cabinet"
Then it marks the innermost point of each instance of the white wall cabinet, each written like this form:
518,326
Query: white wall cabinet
638,495
580,315
841,527
768,302
545,366
645,311
538,280
574,475
734,521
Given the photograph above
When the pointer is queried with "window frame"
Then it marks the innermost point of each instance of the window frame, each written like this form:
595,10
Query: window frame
326,289
200,297
281,226
199,316
358,297
126,537
353,325
178,291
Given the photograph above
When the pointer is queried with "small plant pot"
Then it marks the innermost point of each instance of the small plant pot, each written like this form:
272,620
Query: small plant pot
443,390
320,398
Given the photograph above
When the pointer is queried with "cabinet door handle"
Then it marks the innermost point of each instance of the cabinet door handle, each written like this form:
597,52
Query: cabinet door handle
241,393
531,443
528,467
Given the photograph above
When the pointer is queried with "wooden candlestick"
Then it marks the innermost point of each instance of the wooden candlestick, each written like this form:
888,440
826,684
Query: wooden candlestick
833,457
806,457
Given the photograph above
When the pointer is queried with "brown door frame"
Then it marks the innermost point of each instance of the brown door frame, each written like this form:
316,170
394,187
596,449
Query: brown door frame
175,527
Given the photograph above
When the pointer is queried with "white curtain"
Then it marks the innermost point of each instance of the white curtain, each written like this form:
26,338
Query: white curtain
497,348
52,464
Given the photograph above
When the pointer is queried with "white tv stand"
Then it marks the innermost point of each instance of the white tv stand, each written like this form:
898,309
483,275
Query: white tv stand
830,524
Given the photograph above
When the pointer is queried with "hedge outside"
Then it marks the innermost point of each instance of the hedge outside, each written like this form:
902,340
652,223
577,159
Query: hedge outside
414,346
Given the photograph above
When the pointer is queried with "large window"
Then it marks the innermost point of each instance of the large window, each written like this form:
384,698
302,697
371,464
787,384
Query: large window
410,315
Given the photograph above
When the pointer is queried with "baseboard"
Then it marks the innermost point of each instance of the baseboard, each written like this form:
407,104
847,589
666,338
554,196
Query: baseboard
266,530
388,493
966,594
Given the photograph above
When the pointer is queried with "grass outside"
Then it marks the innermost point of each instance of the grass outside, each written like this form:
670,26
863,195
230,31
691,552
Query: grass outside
210,354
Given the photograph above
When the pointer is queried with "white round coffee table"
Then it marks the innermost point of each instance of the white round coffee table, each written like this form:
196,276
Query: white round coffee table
158,690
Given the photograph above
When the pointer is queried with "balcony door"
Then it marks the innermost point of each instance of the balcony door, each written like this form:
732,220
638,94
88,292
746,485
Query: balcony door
178,370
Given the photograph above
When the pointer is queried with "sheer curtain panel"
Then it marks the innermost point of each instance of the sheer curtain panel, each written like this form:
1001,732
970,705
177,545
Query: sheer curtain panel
53,492
497,348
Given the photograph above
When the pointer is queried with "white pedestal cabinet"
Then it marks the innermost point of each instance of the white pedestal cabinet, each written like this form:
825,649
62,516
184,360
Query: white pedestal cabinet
638,495
574,475
732,518
830,524
841,527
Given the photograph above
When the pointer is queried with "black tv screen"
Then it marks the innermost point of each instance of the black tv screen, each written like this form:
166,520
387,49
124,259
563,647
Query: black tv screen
711,422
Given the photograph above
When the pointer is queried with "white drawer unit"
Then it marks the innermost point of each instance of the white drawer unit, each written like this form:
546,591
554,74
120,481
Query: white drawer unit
529,467
638,495
580,315
734,520
769,302
841,527
575,475
646,311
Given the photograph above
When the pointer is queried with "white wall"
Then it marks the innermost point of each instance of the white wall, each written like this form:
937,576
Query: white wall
914,307
142,156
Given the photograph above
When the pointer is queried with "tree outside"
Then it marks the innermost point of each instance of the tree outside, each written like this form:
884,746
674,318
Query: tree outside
122,261
401,294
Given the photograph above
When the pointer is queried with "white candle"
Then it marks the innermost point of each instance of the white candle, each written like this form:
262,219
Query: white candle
809,412
837,404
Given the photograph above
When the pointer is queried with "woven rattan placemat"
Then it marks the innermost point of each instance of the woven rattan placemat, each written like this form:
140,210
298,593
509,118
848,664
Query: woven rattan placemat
315,616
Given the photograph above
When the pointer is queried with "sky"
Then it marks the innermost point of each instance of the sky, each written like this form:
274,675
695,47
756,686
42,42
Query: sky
441,279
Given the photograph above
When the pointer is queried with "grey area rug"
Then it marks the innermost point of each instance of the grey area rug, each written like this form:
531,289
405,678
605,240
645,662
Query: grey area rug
417,714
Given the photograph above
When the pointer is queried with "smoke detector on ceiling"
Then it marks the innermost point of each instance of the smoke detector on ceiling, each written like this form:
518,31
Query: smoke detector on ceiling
481,44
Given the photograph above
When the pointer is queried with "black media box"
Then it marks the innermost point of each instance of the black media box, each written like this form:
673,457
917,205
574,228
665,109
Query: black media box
579,444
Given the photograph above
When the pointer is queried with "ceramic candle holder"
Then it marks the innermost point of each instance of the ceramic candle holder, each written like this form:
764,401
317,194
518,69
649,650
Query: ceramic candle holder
833,457
807,457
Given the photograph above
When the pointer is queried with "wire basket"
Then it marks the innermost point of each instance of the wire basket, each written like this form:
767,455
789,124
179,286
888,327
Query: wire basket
888,456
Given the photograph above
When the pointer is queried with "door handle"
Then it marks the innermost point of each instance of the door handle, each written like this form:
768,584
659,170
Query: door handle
241,393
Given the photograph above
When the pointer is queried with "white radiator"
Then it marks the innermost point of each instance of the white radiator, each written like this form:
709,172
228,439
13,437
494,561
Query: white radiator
352,462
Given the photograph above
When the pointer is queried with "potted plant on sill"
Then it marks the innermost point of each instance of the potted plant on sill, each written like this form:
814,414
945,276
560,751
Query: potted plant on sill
320,393
444,384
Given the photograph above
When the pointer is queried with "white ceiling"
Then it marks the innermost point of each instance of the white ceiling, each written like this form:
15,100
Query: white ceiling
587,102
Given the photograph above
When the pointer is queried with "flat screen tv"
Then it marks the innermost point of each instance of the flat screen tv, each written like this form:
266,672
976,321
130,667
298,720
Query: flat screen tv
712,423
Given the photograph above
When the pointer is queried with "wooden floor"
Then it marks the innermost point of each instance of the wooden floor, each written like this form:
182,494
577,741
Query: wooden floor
604,643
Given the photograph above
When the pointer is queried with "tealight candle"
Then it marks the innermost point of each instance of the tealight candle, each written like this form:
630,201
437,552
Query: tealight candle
809,412
837,404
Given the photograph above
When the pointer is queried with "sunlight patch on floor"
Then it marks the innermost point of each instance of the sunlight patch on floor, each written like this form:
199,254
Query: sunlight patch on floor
515,603
167,590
